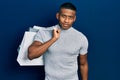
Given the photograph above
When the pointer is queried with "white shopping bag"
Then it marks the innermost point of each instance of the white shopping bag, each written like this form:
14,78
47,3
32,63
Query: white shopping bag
23,51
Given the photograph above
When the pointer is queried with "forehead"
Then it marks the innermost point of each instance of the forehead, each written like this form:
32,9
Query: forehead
68,12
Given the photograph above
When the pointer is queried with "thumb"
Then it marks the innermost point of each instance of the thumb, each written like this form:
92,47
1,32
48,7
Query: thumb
56,30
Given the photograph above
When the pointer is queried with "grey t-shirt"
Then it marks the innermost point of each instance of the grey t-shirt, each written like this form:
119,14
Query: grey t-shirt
61,57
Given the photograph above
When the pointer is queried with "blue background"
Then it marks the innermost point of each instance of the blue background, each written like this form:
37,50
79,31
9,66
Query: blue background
99,20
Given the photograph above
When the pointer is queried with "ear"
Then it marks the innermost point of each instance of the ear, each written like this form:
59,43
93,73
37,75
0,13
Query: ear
57,15
74,18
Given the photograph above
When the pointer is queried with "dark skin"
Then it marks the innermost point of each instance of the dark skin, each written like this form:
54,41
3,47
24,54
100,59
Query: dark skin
66,18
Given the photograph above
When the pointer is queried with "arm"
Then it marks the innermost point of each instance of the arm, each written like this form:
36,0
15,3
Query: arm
36,49
84,67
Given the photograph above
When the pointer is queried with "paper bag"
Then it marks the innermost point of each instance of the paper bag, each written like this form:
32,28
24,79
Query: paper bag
23,51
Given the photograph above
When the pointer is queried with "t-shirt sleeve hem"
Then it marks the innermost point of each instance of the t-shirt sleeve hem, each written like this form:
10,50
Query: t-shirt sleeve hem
38,40
83,53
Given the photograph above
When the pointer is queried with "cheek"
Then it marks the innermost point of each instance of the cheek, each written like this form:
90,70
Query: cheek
71,21
61,20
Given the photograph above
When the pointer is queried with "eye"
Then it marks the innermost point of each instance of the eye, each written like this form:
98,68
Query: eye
70,17
64,16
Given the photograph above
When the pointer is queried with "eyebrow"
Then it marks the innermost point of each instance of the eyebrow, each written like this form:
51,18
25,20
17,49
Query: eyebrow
67,15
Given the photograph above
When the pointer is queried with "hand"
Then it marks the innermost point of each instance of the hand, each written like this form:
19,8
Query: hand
56,33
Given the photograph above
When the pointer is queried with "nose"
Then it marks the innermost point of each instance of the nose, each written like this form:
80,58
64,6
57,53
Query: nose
66,20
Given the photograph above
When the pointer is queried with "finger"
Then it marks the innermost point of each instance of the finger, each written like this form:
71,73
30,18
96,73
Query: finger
54,30
58,30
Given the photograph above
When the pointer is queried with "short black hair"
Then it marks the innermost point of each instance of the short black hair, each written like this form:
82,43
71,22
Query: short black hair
68,5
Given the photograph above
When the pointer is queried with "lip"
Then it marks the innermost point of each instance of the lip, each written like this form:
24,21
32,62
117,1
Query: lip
65,25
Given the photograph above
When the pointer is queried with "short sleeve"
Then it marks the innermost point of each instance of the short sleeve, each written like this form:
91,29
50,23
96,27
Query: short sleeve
38,36
84,46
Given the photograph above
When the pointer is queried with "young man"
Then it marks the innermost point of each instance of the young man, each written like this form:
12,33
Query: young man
62,47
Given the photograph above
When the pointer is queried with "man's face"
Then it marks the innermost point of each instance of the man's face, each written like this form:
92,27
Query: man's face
66,18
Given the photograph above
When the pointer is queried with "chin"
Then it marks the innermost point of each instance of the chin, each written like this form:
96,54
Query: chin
66,28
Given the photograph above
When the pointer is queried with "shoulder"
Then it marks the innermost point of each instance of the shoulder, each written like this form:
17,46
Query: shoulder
79,36
78,33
